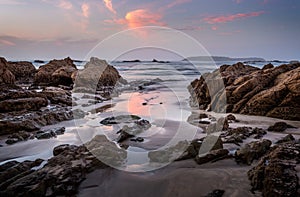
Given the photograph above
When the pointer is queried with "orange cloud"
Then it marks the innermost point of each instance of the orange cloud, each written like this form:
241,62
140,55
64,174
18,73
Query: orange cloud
139,18
85,10
229,18
7,43
109,6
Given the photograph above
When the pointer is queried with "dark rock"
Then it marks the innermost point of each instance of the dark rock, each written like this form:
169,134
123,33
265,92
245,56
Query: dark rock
34,103
268,66
12,140
139,139
216,193
231,117
61,175
58,96
56,72
211,156
287,138
253,150
50,133
201,116
144,103
23,71
279,127
120,119
123,134
275,173
204,122
6,76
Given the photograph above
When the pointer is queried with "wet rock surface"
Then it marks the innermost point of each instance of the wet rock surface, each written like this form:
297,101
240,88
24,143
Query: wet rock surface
252,151
272,92
60,176
275,173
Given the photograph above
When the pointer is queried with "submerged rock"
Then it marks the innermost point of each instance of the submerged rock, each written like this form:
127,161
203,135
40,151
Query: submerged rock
216,193
288,138
244,89
120,119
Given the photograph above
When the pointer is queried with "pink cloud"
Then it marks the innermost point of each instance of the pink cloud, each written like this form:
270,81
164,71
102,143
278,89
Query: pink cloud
229,18
109,6
139,18
85,10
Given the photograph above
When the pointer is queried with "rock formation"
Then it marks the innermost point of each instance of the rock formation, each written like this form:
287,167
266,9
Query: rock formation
239,88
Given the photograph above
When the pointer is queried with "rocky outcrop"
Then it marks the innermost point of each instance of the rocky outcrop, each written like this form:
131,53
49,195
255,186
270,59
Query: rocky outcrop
275,173
61,175
19,99
6,76
23,71
273,92
56,72
96,75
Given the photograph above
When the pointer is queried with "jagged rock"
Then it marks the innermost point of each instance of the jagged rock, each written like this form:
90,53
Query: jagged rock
279,127
58,96
253,150
61,175
33,121
34,103
50,133
211,156
23,71
237,135
275,173
6,76
239,88
96,74
287,138
56,72
19,136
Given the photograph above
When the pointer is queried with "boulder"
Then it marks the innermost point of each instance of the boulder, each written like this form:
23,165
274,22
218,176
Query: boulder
23,71
56,72
6,76
34,103
244,89
288,138
253,150
279,127
96,75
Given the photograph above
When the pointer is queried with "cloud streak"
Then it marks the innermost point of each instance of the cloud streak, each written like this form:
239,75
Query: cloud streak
109,6
230,18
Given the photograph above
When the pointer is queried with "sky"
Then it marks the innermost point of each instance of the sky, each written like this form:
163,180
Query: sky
47,29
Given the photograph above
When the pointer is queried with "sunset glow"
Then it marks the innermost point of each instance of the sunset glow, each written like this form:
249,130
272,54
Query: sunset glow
261,26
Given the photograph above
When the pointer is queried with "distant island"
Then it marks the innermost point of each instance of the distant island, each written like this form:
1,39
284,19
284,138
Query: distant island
220,58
